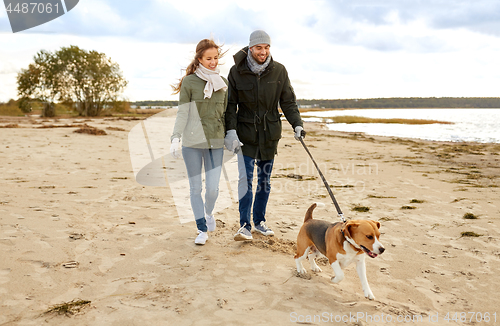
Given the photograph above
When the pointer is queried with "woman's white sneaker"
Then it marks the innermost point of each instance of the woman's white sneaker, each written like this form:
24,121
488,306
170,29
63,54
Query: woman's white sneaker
201,238
211,225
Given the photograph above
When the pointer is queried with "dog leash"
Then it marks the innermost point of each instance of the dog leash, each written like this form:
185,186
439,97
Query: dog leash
339,211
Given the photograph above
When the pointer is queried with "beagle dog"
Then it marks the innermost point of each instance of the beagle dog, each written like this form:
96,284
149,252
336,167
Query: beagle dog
341,243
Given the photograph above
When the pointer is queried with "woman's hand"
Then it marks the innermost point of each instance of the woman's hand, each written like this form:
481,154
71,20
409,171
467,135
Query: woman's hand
175,148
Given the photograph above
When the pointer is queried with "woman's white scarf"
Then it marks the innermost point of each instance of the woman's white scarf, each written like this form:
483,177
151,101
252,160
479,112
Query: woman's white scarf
213,79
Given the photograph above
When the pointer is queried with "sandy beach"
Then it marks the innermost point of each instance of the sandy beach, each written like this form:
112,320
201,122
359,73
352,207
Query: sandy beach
75,225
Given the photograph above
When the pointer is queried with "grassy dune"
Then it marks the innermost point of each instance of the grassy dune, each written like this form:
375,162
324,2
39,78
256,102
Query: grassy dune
353,119
10,110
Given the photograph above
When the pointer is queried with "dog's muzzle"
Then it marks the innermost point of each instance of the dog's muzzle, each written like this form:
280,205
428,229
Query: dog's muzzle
372,254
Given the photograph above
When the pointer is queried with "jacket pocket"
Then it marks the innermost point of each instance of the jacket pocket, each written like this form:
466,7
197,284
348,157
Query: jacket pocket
273,89
273,128
245,92
247,133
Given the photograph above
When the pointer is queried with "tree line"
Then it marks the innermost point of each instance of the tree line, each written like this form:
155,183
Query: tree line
376,103
405,102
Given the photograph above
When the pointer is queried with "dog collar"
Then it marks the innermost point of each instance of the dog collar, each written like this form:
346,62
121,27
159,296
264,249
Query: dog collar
351,241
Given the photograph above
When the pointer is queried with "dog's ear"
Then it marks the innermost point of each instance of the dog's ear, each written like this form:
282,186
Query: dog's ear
348,227
376,223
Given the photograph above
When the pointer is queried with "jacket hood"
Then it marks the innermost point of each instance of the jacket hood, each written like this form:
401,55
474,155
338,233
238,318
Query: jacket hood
241,55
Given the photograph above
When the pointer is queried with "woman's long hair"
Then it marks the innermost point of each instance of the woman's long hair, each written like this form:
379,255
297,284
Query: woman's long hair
202,46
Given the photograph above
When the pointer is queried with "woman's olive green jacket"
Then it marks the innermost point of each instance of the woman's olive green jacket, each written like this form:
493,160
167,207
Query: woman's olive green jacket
200,122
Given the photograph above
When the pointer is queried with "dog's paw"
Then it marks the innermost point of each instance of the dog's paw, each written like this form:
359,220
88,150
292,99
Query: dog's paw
337,279
316,269
369,296
301,270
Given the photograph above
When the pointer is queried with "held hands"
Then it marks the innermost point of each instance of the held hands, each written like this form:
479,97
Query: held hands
175,149
232,142
299,133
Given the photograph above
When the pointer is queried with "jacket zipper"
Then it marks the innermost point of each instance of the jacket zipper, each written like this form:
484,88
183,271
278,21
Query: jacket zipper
256,119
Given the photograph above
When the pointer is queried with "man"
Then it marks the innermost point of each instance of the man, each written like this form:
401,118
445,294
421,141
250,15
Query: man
257,84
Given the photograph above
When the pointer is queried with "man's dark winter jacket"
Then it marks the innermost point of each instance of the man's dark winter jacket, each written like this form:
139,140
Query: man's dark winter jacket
252,108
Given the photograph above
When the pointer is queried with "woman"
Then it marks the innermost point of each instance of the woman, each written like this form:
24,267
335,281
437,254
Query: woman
200,123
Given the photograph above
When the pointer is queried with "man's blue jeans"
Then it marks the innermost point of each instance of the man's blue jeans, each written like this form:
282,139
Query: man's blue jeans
246,167
194,158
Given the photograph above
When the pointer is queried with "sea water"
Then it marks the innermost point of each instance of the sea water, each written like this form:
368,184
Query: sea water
469,125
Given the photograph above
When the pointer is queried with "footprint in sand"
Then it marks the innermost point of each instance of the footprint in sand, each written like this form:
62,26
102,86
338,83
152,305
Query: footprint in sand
107,263
4,279
153,259
38,274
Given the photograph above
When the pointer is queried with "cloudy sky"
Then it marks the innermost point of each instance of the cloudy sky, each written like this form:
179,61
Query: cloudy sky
331,49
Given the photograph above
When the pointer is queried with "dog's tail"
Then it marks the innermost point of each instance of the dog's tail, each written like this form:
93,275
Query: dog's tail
309,213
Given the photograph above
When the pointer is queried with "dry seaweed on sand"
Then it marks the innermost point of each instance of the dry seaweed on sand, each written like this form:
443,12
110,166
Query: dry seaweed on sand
470,234
387,219
58,126
379,197
358,208
470,216
115,129
11,125
295,176
68,308
86,129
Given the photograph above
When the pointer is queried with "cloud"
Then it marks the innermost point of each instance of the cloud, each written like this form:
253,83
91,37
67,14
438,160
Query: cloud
331,49
154,21
180,21
439,14
402,25
4,21
477,16
8,68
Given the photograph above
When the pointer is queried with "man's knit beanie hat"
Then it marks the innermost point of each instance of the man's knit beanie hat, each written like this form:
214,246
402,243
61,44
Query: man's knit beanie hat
259,37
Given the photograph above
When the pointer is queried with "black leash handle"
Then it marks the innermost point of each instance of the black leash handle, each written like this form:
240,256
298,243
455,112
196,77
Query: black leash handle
339,211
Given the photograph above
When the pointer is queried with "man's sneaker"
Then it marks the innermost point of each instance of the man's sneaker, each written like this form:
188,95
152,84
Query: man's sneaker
243,234
210,222
262,228
201,238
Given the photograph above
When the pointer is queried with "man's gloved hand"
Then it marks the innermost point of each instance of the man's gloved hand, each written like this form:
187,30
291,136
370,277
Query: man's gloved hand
232,142
299,133
175,149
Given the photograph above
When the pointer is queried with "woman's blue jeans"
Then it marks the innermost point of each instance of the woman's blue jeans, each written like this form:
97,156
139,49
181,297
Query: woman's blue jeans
194,158
246,166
